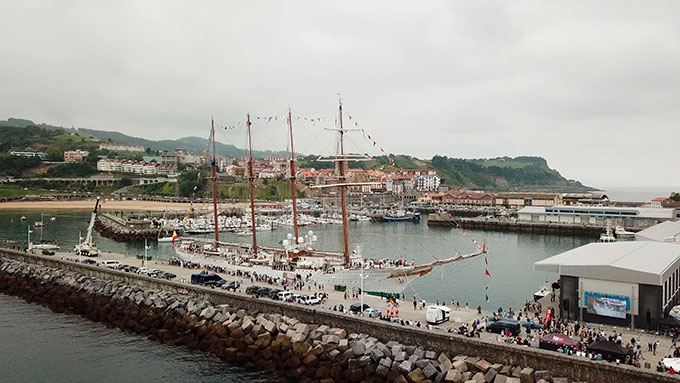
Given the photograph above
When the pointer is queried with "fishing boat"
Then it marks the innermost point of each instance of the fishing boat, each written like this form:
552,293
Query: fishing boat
623,234
543,291
297,256
40,223
607,236
401,215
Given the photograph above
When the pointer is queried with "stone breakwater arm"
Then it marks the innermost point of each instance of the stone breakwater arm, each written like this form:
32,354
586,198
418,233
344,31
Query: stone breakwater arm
301,343
112,227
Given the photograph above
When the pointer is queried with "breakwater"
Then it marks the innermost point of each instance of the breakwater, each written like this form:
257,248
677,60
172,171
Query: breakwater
521,227
118,229
300,342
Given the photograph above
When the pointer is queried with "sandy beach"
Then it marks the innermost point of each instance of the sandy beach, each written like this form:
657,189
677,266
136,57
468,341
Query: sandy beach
106,205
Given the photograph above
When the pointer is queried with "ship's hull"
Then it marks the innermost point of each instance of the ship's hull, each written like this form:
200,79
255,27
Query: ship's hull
387,280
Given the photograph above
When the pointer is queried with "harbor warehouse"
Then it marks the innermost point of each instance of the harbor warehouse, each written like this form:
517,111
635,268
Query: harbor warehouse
619,283
631,217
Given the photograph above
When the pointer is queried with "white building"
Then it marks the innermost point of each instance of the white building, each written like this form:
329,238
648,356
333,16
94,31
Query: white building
619,283
633,217
27,153
428,182
142,168
116,147
668,231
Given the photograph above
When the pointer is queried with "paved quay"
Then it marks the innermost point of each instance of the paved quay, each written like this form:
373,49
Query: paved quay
406,311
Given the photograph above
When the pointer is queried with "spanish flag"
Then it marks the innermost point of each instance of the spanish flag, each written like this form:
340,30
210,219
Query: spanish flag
174,237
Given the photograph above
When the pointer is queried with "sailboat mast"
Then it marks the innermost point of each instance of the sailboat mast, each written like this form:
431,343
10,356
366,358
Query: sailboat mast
214,180
251,179
343,189
293,181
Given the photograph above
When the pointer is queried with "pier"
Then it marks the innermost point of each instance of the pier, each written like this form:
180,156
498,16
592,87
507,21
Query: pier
491,224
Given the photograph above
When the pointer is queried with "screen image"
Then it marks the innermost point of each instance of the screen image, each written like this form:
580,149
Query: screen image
609,306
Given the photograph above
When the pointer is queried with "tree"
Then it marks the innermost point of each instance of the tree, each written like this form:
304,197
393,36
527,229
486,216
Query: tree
188,181
675,196
125,181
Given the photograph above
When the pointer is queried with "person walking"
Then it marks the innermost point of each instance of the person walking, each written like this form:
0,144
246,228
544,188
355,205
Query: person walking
654,347
414,302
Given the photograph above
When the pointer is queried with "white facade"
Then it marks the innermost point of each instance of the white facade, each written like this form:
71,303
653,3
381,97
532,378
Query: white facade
633,217
429,182
145,168
27,154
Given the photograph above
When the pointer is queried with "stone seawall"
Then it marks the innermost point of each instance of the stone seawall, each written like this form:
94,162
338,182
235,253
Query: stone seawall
113,228
298,341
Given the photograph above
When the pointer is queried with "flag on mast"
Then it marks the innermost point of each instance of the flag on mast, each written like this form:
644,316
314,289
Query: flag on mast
174,237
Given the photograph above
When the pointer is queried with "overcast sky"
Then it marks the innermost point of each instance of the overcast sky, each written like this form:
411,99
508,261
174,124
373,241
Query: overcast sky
594,87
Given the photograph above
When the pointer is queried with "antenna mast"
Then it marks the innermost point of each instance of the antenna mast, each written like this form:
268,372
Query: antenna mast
293,181
251,180
214,180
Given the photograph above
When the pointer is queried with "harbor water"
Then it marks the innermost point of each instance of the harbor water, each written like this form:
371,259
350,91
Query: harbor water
40,346
510,255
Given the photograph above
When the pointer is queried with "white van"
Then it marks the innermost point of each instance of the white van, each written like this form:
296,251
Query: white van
437,314
110,264
284,295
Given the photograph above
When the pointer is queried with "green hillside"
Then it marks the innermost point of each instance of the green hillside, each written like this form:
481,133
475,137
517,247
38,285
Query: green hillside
192,144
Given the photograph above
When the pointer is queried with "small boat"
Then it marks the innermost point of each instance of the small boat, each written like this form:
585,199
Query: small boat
40,223
401,216
543,292
165,239
622,233
23,218
607,236
53,219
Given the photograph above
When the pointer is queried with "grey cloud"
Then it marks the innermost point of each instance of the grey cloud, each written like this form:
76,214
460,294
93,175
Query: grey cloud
590,86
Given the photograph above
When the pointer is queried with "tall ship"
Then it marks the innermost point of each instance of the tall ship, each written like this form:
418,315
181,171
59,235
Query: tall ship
298,258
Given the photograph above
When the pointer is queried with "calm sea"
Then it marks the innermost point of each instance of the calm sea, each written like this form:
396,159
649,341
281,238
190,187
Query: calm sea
638,194
41,346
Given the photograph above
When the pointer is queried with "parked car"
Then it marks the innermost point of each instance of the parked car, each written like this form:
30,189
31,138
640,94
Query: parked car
264,292
155,273
166,275
357,308
371,312
143,271
275,294
502,325
309,300
284,295
207,279
130,269
89,261
110,264
252,290
48,252
230,285
532,324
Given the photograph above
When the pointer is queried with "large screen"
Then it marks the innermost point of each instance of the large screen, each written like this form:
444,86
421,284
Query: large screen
607,305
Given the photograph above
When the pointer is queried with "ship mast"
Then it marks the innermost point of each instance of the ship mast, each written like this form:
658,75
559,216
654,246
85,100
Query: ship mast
343,188
251,181
293,181
214,180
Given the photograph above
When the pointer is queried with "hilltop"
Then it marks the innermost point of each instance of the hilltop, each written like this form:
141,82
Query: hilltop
21,140
494,174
